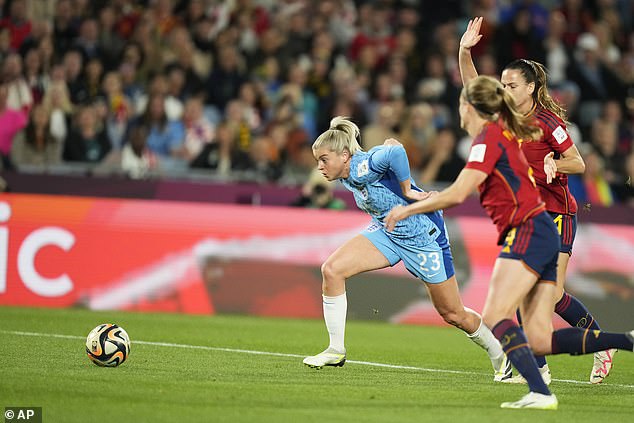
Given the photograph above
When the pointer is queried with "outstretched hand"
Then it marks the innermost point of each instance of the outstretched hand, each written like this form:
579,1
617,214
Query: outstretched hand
416,195
550,167
420,195
472,34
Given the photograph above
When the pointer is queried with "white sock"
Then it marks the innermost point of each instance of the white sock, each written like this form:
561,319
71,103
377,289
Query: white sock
485,339
335,310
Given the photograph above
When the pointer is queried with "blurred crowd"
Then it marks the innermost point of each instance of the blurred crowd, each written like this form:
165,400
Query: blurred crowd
241,88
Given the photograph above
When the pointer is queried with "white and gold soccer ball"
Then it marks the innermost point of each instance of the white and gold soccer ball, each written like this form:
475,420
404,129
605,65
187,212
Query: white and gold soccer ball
108,345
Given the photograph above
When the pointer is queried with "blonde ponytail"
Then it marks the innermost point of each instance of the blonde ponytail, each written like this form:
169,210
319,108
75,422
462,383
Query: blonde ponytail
342,135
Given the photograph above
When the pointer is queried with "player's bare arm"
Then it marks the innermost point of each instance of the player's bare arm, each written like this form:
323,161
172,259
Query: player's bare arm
570,162
455,194
469,39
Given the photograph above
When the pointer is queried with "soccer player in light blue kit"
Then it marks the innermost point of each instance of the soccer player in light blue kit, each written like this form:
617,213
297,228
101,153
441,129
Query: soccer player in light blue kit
380,180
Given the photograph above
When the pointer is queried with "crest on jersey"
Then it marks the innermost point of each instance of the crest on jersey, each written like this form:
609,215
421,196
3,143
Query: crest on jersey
363,168
373,227
560,134
477,153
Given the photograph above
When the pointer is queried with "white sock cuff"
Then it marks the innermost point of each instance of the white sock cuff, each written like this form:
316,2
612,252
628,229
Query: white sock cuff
336,298
477,331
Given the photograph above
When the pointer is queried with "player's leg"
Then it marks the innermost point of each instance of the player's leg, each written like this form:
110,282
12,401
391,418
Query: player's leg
445,297
574,341
568,306
529,254
510,282
541,363
356,256
536,310
433,265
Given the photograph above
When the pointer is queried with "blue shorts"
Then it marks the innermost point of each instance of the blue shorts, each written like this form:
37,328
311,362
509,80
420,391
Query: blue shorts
567,228
536,243
431,263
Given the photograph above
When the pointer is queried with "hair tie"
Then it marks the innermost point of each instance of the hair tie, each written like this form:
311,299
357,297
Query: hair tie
531,65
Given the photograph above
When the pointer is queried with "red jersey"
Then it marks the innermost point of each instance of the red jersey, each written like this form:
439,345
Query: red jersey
556,195
508,194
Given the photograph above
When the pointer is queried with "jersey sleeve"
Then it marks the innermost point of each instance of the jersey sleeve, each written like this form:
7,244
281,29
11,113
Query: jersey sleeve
390,157
555,134
484,154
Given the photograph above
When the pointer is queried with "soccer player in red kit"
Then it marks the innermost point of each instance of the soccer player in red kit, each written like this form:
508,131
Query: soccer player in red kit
525,272
553,156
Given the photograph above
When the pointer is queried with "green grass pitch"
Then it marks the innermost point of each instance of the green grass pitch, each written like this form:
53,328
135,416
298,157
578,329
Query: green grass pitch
208,369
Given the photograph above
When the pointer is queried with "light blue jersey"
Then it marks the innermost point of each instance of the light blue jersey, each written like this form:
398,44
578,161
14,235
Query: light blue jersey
420,240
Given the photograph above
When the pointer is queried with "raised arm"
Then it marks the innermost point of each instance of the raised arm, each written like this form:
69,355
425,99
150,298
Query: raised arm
470,38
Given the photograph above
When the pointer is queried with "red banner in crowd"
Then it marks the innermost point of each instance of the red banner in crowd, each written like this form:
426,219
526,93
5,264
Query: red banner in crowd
196,258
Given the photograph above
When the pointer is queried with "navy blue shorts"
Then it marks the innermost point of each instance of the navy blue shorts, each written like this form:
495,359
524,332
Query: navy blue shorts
567,228
536,243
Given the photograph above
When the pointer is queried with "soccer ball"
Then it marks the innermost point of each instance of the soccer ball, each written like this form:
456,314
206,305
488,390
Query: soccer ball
108,345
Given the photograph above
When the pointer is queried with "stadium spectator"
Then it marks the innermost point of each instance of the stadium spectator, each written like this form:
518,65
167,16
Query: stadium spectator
35,146
18,23
87,141
110,43
118,108
74,72
165,136
382,128
18,91
442,164
137,160
417,133
34,74
597,83
87,42
5,42
317,193
265,160
198,130
558,55
517,38
605,140
11,122
227,76
592,188
94,73
222,156
65,27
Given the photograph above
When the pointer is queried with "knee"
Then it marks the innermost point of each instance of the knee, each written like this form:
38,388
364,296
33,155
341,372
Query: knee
332,277
559,294
329,270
